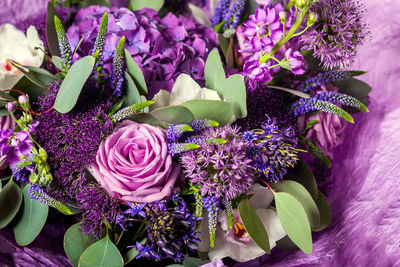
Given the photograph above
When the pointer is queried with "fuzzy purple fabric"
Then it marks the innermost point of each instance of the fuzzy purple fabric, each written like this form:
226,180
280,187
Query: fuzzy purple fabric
364,189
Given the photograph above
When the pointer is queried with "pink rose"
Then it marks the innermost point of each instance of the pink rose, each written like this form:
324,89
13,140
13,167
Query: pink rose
328,132
133,163
6,122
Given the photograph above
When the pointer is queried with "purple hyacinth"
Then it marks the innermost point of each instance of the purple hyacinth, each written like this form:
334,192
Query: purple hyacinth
272,150
334,38
163,48
171,231
220,170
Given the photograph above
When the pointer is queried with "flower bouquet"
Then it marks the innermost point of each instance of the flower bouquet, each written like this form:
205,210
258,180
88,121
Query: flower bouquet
176,132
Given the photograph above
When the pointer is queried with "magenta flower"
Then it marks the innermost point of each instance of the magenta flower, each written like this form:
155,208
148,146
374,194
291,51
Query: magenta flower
295,60
133,164
264,23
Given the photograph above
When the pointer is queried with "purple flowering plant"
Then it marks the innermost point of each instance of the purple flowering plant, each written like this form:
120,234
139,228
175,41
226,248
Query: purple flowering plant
166,133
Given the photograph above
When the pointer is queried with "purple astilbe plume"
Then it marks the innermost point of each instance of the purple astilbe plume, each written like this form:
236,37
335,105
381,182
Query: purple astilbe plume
96,205
171,231
71,141
334,38
219,169
163,48
272,150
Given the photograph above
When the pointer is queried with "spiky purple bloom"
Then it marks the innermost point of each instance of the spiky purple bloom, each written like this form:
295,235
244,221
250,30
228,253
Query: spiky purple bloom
220,170
171,230
117,69
21,172
340,29
234,15
220,10
71,141
65,49
211,205
323,78
175,132
272,150
163,48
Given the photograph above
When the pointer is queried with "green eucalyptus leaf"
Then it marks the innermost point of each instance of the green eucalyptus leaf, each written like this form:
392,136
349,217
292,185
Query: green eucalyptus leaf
136,73
58,62
103,253
305,177
214,72
73,83
4,112
301,194
51,34
254,225
294,220
194,262
132,93
75,243
148,118
7,96
40,77
30,220
200,16
324,211
234,91
210,109
10,202
153,4
144,99
224,44
173,114
97,2
253,5
28,87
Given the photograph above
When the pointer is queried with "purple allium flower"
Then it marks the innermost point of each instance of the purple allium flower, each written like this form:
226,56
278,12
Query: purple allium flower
334,38
163,48
171,231
220,170
272,150
296,61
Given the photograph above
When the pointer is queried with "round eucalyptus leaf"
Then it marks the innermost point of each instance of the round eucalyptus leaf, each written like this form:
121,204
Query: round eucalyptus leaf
301,194
173,114
210,109
305,177
324,211
136,73
10,202
103,253
194,262
75,243
254,225
30,220
294,220
153,4
214,72
234,91
132,93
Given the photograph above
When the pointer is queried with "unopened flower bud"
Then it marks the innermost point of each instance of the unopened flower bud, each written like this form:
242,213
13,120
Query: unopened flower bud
22,99
283,16
10,106
300,3
312,18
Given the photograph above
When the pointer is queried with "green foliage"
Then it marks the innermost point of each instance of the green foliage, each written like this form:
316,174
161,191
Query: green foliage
325,212
294,220
147,118
214,72
210,109
103,253
136,73
303,196
7,96
132,253
194,262
75,243
139,4
30,219
173,114
234,92
254,225
38,76
305,177
354,88
73,83
132,93
10,202
292,91
51,34
318,152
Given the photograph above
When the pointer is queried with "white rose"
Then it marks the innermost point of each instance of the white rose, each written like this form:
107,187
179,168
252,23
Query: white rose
14,45
241,247
184,89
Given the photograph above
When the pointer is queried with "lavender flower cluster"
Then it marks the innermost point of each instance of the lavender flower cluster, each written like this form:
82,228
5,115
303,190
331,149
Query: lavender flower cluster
163,48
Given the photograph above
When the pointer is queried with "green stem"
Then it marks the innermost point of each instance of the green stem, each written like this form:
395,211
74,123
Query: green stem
22,126
287,37
303,31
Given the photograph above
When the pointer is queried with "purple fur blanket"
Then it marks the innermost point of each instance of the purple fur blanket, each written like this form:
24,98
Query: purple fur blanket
364,189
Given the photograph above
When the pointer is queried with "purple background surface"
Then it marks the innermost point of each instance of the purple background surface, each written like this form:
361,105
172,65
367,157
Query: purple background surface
364,189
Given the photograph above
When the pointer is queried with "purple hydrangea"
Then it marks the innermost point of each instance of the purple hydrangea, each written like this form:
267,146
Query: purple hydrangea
340,29
219,169
163,48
